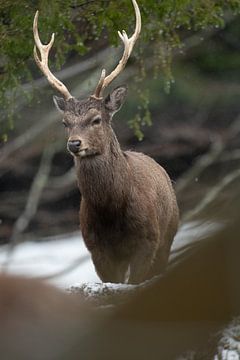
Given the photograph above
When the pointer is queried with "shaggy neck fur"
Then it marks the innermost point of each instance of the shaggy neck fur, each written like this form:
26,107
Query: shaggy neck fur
102,178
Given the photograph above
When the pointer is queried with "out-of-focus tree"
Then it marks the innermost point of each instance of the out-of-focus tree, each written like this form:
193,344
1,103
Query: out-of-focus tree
77,23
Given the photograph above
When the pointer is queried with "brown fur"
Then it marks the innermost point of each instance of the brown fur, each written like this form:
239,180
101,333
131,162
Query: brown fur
128,211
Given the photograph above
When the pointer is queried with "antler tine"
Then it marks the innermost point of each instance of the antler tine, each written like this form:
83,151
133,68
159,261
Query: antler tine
128,46
42,62
98,89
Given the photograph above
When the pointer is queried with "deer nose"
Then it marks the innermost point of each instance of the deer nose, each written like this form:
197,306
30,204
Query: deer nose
74,145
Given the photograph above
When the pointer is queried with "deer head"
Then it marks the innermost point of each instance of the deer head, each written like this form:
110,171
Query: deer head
88,121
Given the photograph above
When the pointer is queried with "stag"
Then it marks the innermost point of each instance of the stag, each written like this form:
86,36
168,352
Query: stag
128,210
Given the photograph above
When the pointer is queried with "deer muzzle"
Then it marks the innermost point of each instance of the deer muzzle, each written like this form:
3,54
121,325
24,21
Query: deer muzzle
74,146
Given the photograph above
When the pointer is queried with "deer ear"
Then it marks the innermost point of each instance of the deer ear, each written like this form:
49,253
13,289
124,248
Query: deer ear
114,101
59,103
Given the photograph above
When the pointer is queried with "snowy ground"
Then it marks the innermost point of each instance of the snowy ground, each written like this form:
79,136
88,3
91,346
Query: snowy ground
62,261
65,261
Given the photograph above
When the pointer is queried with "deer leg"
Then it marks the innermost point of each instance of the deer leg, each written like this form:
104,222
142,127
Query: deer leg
160,262
140,264
162,255
109,270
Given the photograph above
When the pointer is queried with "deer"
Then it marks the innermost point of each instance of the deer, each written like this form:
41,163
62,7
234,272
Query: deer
128,208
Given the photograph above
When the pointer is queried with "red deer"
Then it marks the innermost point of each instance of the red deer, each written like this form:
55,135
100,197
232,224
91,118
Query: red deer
128,211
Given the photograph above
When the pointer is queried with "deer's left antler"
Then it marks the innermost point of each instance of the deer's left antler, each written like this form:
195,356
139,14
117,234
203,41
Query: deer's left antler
128,46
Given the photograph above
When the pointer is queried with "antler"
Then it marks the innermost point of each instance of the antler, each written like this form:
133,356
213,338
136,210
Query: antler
43,62
128,46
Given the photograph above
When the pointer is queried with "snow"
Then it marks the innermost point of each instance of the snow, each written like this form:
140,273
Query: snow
53,256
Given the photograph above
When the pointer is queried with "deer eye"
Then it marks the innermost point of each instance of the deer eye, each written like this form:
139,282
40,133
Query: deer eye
64,123
96,121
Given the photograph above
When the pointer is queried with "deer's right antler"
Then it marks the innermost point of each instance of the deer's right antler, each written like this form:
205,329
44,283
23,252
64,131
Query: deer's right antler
42,62
128,46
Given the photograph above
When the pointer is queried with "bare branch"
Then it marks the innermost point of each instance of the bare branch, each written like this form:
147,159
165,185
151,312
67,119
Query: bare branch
230,156
212,195
64,180
34,196
201,164
208,159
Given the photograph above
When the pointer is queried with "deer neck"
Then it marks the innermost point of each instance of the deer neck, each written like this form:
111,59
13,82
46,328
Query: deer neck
104,180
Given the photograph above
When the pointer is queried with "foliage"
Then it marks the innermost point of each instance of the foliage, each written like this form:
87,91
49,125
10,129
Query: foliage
77,23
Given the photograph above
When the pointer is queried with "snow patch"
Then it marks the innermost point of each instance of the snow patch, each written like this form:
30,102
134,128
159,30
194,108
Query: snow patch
51,259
